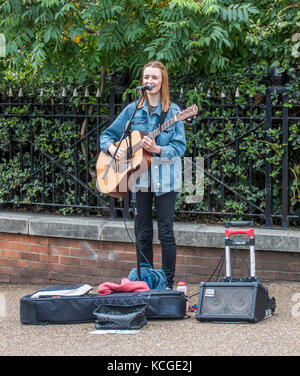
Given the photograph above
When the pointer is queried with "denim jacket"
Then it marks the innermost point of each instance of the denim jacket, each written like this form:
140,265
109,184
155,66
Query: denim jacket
166,169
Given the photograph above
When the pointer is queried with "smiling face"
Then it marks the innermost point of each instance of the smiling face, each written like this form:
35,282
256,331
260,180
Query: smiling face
153,76
155,73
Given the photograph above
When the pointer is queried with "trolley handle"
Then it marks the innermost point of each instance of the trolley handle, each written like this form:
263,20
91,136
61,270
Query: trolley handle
239,224
249,232
229,242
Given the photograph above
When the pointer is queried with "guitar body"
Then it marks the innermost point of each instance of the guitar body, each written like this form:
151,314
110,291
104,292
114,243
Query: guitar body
119,177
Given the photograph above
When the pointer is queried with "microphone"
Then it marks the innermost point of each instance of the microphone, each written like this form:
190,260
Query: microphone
145,87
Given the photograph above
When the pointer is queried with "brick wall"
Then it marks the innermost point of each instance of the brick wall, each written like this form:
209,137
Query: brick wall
28,259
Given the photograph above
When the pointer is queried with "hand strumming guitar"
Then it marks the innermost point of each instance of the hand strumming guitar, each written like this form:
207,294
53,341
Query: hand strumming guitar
150,145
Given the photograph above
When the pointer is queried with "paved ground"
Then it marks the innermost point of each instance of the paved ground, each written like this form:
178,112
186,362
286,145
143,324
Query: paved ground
277,336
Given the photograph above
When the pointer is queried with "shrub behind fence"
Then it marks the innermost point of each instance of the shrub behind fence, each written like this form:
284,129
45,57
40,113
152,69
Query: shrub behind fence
49,148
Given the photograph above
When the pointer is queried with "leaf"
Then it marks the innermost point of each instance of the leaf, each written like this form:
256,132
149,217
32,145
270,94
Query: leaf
2,45
47,35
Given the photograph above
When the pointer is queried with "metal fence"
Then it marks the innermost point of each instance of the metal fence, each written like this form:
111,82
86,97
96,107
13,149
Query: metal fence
49,148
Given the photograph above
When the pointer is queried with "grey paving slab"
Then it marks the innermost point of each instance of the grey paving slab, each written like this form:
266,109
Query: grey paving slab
278,335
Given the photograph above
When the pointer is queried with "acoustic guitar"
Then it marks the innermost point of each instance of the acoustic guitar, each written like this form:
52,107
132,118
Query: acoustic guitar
116,180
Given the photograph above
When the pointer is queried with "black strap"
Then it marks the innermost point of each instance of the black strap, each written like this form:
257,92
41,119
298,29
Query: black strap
162,118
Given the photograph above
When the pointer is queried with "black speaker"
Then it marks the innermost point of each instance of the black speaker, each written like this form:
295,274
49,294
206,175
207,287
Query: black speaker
232,301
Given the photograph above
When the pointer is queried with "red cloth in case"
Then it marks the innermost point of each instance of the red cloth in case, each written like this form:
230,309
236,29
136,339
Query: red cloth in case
125,286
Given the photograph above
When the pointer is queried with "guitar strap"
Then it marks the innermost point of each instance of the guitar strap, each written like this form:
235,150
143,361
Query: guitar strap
162,118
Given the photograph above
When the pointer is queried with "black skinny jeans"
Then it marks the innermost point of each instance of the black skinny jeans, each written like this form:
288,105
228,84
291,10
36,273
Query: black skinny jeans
165,207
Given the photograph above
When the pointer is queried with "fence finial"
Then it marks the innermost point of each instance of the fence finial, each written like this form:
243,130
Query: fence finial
86,93
237,93
98,93
20,94
75,92
10,92
63,94
223,95
208,93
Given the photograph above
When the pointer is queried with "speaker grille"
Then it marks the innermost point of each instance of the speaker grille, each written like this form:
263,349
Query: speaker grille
232,301
240,301
214,300
227,301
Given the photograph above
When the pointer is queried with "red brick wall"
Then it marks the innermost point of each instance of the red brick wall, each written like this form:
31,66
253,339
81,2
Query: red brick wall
40,260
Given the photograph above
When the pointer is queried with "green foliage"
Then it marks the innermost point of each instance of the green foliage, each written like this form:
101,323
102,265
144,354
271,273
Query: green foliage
213,132
73,42
27,172
208,46
64,40
217,126
201,35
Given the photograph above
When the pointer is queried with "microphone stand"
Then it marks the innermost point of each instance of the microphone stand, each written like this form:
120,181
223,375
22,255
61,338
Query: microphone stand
127,133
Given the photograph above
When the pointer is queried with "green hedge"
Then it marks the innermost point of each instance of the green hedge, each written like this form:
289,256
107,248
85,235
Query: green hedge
56,139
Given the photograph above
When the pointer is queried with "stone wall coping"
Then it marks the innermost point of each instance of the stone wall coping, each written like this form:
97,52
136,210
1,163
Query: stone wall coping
105,229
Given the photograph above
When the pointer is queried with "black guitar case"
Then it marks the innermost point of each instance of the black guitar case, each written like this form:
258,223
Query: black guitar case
43,310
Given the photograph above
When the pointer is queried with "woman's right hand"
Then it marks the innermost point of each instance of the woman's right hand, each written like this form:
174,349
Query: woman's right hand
121,153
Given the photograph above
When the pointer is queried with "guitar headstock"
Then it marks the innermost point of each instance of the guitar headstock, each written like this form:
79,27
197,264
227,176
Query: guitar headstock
188,113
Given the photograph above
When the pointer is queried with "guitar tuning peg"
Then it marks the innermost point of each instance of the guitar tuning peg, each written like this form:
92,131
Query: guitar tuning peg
192,118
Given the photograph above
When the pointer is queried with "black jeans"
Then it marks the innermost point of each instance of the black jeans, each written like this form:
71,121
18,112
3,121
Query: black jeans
165,207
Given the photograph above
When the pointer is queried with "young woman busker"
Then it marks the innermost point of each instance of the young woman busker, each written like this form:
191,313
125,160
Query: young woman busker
163,180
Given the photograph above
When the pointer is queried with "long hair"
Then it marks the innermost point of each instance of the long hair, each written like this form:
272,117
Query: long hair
164,91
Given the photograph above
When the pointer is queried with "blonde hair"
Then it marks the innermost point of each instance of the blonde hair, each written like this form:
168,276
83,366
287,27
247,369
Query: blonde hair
164,91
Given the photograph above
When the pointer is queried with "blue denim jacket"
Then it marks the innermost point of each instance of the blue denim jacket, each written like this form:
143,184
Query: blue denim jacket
166,169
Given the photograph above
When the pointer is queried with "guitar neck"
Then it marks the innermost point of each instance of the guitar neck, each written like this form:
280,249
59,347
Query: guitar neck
156,132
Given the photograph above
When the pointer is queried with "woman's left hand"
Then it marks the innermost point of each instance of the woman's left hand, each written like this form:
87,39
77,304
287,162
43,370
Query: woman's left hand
150,145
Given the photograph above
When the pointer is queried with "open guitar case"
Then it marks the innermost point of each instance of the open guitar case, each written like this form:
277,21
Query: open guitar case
75,304
55,309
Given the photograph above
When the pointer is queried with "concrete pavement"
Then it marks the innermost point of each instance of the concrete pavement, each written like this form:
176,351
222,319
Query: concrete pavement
278,335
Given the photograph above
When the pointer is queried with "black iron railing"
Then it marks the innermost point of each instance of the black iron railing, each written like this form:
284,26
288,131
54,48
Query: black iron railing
49,148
